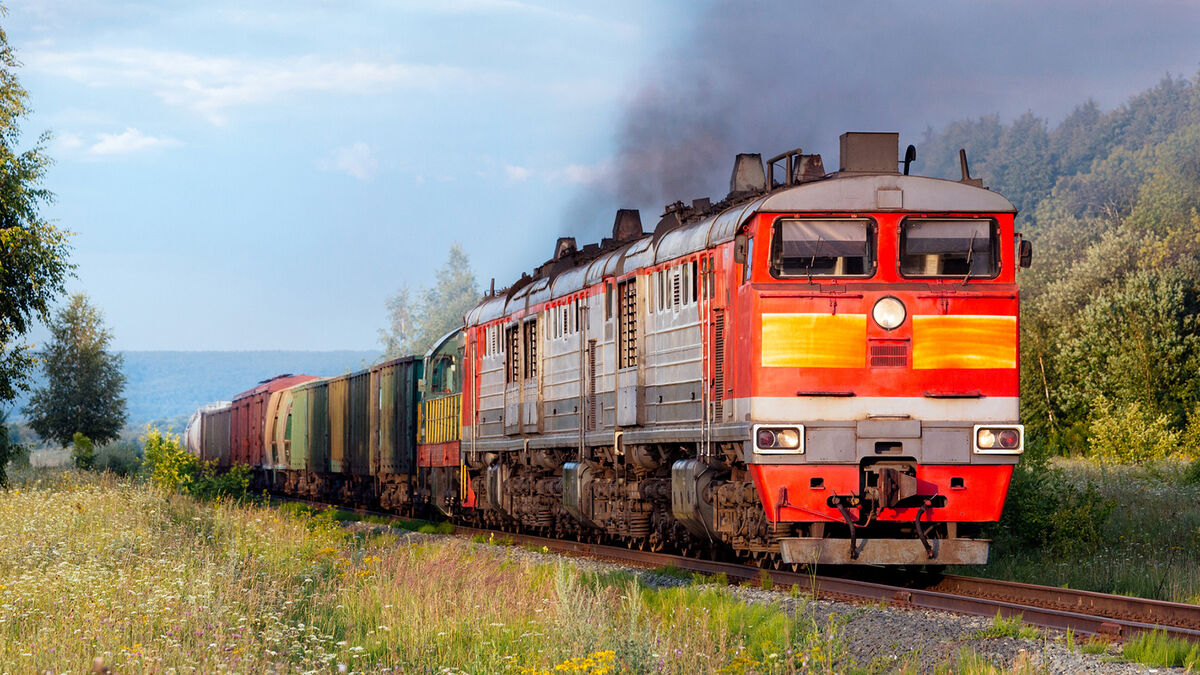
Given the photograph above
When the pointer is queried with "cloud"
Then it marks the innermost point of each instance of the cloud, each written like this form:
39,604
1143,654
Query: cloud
127,142
211,86
514,7
356,160
588,174
67,141
517,174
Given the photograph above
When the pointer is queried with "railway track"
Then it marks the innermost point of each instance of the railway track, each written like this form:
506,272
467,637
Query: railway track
1083,612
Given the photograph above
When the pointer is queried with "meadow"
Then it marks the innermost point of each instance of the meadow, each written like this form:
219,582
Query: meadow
99,567
102,572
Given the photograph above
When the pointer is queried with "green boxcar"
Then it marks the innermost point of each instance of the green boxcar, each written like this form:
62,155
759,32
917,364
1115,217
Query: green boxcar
318,427
358,424
393,443
298,429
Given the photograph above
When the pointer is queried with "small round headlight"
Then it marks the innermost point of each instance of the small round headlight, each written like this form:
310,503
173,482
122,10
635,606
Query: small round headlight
889,313
1009,438
986,439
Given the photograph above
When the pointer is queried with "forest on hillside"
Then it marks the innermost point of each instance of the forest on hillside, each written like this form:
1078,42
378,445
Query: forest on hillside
164,386
1110,343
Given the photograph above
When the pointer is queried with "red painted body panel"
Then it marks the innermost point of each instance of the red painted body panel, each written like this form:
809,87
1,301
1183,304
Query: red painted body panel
437,454
981,499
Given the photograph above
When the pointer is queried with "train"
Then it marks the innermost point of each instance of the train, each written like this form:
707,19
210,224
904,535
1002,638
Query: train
821,368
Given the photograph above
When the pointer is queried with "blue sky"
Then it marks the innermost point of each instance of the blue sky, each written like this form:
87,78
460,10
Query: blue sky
235,170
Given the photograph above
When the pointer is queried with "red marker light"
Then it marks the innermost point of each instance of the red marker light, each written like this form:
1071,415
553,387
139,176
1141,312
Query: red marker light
766,438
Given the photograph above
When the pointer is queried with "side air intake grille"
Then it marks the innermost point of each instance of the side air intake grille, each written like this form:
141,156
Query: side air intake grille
719,367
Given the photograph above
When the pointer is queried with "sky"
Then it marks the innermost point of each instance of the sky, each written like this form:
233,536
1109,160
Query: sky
263,175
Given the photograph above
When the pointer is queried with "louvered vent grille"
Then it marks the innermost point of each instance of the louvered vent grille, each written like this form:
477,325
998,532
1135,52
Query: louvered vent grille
719,366
591,385
891,354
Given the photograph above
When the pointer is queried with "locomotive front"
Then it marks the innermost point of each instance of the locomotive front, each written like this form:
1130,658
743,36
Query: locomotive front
878,361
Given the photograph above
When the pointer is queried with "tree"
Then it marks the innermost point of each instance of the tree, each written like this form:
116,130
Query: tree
33,252
84,381
10,450
415,325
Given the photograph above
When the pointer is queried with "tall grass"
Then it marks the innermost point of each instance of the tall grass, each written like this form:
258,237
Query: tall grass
1159,649
95,566
1148,543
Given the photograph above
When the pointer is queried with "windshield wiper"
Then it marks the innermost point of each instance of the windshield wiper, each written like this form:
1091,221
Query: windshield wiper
812,261
970,253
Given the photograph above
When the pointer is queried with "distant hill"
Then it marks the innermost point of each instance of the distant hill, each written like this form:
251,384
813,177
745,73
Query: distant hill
169,385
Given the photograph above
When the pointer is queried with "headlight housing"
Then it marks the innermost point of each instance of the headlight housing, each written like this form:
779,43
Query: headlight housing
889,312
773,439
996,439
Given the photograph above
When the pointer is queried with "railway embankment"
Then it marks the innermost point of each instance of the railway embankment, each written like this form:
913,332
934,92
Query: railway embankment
146,581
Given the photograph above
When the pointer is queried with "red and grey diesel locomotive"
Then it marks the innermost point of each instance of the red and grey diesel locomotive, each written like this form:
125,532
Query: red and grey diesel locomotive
821,368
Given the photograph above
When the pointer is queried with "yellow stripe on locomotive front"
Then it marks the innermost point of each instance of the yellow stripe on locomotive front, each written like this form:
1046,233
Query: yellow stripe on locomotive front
964,342
814,340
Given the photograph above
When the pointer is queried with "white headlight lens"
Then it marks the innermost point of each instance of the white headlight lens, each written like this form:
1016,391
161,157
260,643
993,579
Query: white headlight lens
889,312
986,439
787,438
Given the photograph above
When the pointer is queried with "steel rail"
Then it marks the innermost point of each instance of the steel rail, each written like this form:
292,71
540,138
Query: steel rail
1082,612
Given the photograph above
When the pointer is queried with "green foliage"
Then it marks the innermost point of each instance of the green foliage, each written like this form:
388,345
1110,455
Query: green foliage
438,528
8,448
84,381
82,451
1191,475
123,458
1045,509
173,468
210,484
1158,649
416,323
34,251
1130,434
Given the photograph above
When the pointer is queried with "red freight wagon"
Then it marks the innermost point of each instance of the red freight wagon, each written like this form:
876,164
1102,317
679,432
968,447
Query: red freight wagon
246,418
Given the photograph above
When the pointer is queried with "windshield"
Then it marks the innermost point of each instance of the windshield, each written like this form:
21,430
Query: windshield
948,248
823,248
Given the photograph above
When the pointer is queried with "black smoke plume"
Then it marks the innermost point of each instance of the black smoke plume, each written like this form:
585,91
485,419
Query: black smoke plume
772,76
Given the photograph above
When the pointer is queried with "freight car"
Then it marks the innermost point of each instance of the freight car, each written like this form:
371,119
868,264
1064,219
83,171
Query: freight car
821,368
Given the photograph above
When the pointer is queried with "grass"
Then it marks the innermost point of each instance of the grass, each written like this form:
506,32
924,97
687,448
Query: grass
1010,627
95,566
970,662
1160,650
1150,544
342,515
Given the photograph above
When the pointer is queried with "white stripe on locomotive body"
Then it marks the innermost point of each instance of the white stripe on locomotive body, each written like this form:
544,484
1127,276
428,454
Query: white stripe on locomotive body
801,409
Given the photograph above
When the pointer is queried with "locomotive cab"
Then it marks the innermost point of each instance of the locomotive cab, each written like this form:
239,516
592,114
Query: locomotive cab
884,339
438,422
